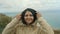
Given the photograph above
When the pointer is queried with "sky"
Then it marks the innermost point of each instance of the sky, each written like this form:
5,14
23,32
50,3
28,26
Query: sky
20,5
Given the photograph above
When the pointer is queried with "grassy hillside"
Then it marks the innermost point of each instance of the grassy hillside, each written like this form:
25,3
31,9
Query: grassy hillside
4,20
57,31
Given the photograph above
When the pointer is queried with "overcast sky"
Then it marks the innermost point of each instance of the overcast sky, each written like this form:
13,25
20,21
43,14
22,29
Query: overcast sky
20,5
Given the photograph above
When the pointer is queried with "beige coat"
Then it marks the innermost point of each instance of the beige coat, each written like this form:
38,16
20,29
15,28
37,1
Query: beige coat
17,27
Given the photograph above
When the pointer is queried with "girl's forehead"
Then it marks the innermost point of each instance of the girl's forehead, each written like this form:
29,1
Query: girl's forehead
28,12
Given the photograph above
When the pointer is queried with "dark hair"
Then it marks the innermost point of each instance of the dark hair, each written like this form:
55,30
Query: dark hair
23,14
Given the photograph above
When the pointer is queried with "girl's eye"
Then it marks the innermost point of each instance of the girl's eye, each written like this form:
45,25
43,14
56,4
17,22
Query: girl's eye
26,15
31,15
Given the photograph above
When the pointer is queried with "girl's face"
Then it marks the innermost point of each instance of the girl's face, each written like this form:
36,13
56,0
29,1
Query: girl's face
28,17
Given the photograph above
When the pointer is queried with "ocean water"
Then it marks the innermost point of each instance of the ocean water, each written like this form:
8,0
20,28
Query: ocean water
52,17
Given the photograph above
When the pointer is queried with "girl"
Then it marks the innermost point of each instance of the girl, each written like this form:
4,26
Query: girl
29,22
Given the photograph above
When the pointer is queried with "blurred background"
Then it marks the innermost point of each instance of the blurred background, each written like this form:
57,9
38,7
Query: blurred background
50,10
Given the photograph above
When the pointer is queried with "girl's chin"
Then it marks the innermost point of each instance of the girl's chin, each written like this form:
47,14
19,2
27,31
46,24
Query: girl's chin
28,23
